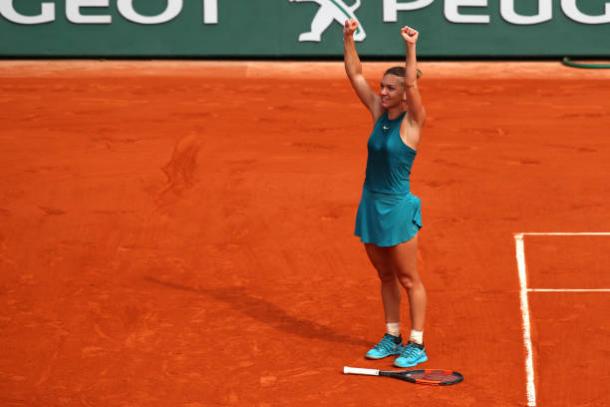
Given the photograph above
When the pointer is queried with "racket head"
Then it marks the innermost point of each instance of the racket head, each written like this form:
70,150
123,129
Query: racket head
431,377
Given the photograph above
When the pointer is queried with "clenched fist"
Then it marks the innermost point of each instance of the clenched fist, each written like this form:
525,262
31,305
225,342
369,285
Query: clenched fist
350,27
409,34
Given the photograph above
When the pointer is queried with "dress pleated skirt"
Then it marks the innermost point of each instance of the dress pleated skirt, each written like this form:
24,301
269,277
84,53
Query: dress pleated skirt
387,219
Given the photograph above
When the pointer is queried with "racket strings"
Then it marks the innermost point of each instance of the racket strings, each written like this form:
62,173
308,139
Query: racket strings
436,376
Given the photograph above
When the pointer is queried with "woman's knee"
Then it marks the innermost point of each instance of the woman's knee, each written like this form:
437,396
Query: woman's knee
408,279
386,275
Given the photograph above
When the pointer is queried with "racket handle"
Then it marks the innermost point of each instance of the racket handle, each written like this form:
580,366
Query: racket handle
359,370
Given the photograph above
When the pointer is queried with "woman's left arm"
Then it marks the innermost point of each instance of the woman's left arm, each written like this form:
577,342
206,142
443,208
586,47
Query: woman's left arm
417,113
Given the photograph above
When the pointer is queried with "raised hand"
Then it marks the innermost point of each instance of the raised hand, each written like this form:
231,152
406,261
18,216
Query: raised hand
350,27
409,34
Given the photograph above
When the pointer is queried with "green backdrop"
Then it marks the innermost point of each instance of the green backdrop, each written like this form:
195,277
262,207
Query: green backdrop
271,28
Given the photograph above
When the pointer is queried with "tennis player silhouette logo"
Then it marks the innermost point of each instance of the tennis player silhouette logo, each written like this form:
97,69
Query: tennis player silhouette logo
331,11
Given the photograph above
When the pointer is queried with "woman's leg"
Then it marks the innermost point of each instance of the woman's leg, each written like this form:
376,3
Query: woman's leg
390,290
391,343
403,259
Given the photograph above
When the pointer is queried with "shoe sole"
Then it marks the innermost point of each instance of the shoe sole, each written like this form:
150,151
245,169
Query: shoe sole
381,357
420,360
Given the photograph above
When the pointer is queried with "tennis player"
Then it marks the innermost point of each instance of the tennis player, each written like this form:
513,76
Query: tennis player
389,216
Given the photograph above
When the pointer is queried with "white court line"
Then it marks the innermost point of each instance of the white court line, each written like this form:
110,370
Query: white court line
525,313
568,290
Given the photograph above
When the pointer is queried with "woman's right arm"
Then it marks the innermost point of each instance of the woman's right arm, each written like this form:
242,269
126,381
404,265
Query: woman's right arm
353,68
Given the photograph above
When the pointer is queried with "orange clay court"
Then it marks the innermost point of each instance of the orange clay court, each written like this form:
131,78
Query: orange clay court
181,234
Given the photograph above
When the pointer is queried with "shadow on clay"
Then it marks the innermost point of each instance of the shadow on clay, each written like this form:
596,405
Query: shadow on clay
267,313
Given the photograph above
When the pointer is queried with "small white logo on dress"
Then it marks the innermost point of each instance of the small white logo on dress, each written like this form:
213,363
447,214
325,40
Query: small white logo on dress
329,11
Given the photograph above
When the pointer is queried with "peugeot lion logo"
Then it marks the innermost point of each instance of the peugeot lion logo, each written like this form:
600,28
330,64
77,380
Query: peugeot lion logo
329,11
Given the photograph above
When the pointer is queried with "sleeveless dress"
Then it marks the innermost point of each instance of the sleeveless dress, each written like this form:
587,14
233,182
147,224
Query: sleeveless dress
388,213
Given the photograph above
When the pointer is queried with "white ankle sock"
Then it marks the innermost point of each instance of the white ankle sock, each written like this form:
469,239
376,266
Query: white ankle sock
393,328
417,336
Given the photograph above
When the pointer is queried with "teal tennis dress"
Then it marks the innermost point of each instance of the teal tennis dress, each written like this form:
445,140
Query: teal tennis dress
388,213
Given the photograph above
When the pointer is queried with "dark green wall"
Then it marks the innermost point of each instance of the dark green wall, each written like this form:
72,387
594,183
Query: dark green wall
271,28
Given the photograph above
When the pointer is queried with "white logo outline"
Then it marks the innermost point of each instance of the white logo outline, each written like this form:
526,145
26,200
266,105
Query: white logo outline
331,11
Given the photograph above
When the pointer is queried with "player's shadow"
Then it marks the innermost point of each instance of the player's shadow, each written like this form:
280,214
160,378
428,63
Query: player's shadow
268,313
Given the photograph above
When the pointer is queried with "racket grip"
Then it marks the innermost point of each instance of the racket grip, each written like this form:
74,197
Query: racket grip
359,370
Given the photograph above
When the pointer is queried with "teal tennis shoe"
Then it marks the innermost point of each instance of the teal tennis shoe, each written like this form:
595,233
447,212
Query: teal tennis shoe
411,355
388,345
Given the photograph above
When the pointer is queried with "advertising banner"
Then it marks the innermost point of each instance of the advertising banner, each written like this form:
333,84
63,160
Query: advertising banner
302,28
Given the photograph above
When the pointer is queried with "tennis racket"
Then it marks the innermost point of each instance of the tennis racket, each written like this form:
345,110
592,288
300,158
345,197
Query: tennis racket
434,377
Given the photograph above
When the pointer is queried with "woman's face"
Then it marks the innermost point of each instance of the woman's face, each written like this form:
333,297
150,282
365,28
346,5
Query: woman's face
391,91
